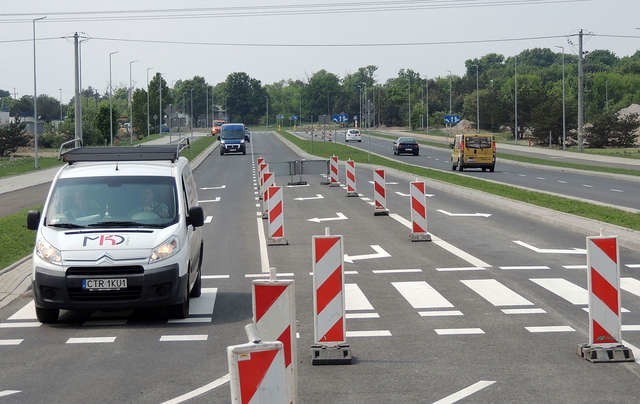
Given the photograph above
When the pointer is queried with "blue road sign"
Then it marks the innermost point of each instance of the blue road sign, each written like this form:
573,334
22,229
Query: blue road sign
451,119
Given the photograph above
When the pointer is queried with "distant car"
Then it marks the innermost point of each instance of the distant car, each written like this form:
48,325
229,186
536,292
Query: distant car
406,145
164,128
352,135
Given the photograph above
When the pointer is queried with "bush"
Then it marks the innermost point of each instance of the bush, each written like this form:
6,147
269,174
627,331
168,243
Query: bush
13,136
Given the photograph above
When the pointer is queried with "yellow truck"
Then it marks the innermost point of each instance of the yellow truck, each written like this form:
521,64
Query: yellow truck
473,151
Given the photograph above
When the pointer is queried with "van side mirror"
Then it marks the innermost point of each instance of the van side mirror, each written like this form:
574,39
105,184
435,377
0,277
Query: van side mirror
196,216
33,219
246,137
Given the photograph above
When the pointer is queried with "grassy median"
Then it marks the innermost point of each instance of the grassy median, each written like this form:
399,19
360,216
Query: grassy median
567,205
16,241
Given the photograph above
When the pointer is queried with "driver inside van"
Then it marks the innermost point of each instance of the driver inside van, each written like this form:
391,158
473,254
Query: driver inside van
150,203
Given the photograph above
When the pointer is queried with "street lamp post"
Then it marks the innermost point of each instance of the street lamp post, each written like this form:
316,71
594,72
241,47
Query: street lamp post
409,91
426,79
450,84
160,103
110,102
60,102
564,126
148,128
35,96
477,102
266,100
515,88
192,115
131,103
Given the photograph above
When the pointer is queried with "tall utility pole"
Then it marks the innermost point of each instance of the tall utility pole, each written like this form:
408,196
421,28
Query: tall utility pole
79,112
160,102
206,107
450,84
426,79
78,101
580,94
409,91
148,127
564,122
192,115
110,102
515,88
35,96
60,102
477,101
131,103
266,99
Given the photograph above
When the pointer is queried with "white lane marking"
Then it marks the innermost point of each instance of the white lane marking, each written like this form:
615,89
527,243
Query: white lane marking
370,333
574,266
631,327
216,276
402,194
371,203
631,285
262,242
91,340
27,312
201,390
587,186
257,205
218,187
396,271
189,320
522,175
496,293
310,198
22,324
466,392
209,219
216,199
339,216
175,338
635,349
523,311
279,275
570,292
455,269
355,299
459,331
104,323
633,266
539,178
362,315
5,393
440,313
420,295
365,199
550,250
550,328
524,267
476,262
387,183
204,304
351,272
379,253
464,214
616,190
623,310
5,342
562,181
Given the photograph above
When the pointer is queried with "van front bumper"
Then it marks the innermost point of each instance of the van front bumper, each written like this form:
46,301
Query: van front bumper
145,288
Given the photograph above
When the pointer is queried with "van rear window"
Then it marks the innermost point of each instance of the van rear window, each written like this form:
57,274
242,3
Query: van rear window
477,142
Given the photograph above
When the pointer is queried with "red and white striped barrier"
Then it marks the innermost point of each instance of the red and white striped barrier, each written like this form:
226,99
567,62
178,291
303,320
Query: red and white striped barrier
275,215
333,172
329,324
605,335
262,168
275,317
268,180
257,372
379,193
351,178
418,212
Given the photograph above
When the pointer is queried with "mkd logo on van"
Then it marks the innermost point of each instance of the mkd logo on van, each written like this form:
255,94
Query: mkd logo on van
103,240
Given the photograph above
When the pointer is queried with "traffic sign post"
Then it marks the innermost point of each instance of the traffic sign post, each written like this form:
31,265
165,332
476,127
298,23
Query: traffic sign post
451,119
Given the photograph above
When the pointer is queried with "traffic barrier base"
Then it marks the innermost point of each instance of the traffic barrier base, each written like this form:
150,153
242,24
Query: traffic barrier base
618,353
420,237
381,212
331,355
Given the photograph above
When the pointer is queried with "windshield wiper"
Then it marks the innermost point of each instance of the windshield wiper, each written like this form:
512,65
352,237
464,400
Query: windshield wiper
120,223
66,225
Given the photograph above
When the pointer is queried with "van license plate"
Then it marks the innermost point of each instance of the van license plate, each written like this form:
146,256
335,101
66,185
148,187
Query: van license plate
104,284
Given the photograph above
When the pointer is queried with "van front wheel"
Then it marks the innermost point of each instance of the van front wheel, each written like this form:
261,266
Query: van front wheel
47,316
182,310
460,167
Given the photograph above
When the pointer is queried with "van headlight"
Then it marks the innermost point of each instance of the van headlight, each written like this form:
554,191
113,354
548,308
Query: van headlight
48,252
221,141
165,250
242,141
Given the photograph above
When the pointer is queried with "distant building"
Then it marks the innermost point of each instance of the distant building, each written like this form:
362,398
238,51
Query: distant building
28,120
4,117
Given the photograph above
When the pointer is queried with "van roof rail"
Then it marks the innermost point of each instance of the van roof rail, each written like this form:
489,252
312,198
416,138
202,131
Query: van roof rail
126,153
77,143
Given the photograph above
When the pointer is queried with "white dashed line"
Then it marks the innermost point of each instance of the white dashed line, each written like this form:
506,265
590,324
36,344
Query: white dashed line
458,331
551,328
587,186
616,190
174,338
91,340
371,333
10,342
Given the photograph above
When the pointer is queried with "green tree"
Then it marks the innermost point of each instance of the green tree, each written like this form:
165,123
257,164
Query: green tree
244,98
12,136
140,113
154,101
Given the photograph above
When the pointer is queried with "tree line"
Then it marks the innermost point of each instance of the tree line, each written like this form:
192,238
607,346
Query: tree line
610,83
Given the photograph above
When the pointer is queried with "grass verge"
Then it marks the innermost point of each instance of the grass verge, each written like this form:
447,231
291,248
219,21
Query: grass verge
22,165
602,213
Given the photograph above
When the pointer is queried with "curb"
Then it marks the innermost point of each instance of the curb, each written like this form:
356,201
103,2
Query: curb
16,264
628,238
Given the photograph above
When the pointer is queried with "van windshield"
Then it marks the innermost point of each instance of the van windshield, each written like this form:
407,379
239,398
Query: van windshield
477,142
128,201
234,132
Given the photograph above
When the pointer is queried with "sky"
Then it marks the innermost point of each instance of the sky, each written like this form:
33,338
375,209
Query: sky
206,40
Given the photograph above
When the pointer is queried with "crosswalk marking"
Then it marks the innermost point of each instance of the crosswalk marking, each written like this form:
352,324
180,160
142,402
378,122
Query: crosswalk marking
6,342
421,295
361,315
204,304
440,313
631,285
355,298
570,292
496,293
396,271
524,311
27,312
216,276
23,324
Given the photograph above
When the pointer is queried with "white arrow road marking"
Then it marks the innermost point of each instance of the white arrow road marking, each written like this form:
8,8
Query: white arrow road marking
379,253
220,187
340,216
5,393
474,388
318,196
550,250
217,199
464,214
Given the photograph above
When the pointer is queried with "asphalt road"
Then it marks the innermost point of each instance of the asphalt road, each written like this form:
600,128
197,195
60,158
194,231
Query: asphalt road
615,190
437,316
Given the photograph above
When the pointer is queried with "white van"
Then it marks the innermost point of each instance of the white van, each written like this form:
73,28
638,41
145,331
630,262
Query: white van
119,230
